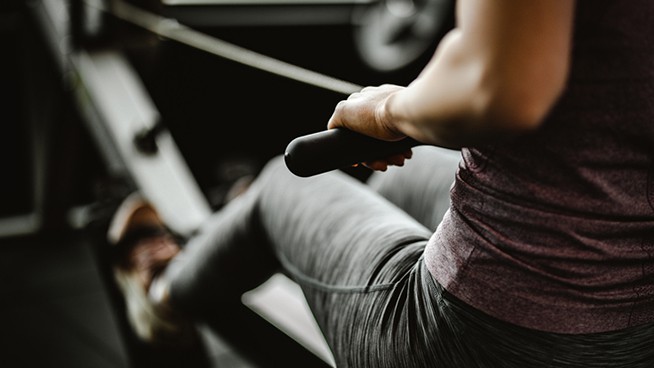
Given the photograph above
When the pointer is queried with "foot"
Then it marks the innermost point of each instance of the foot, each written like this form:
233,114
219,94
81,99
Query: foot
143,248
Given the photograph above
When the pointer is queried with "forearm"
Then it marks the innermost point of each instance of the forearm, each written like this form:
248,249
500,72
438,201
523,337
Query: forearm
444,105
498,73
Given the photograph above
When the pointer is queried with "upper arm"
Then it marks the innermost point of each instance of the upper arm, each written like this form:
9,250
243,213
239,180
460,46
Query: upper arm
523,47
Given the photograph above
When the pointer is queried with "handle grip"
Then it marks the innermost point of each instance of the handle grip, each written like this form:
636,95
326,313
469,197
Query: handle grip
338,148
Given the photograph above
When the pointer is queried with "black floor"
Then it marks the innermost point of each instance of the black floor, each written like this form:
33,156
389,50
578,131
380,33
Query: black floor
57,310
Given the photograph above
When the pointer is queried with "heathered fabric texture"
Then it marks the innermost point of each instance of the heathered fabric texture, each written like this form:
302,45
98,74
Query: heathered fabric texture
555,230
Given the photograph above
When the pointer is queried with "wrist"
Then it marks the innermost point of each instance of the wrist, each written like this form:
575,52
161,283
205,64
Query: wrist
387,118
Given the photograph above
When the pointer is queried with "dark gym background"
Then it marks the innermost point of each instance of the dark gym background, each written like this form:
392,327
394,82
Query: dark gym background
226,118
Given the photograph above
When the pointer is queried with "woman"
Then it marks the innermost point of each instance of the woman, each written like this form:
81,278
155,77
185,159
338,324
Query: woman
544,256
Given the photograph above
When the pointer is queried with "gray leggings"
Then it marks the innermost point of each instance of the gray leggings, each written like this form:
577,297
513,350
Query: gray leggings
357,255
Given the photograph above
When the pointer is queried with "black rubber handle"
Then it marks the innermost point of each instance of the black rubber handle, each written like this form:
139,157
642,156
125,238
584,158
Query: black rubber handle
338,148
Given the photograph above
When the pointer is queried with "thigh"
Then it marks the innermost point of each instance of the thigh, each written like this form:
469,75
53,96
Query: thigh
422,186
358,259
332,228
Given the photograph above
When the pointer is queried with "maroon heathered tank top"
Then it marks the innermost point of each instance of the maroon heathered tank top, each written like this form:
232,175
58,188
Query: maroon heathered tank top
555,230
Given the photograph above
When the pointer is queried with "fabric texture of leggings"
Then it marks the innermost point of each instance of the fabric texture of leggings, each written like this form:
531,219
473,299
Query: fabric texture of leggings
357,255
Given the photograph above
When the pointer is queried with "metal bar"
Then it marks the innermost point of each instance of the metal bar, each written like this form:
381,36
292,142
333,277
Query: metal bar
173,30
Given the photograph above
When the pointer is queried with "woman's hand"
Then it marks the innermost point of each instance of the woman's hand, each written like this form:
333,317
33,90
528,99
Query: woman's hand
365,112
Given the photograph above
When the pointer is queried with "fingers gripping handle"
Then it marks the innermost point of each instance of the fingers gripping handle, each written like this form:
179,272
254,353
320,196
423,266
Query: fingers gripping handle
338,148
